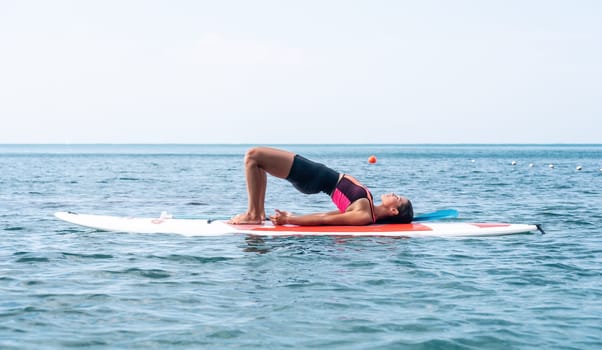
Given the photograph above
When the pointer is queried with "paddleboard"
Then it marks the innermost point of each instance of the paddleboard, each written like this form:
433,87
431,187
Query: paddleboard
198,227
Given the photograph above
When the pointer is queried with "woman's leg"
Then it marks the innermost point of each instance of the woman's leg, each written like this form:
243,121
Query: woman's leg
259,162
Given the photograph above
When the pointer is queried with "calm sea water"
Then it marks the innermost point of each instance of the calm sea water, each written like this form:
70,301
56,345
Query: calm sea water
63,286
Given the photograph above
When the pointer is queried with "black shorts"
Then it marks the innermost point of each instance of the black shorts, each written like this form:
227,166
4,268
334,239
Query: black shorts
310,177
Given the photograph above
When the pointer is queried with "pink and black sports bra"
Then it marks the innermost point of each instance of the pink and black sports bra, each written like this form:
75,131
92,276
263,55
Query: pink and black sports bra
347,191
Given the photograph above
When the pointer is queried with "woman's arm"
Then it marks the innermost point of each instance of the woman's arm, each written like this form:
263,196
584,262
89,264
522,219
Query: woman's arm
349,218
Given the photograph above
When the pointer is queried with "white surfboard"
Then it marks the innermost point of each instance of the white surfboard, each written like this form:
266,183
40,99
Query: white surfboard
197,227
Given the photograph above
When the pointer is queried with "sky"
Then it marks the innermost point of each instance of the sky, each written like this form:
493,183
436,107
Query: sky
278,72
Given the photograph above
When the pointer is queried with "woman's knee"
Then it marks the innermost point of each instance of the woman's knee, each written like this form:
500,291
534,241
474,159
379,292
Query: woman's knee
276,162
253,156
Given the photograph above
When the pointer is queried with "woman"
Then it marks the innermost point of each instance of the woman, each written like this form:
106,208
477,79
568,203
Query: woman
353,200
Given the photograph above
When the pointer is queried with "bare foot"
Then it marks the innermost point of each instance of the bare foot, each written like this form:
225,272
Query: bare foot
246,219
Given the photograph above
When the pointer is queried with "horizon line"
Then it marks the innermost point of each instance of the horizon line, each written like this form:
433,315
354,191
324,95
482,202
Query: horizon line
296,144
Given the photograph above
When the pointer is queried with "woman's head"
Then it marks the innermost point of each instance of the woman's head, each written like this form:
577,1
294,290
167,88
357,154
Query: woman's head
405,213
401,210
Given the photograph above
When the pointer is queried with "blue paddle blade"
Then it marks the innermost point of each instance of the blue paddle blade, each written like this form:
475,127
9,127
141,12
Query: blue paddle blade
436,215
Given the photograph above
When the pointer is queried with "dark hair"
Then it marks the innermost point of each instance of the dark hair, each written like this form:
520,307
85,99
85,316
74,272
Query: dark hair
404,216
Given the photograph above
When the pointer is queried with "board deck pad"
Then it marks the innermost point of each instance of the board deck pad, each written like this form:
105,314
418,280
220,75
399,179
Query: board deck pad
202,227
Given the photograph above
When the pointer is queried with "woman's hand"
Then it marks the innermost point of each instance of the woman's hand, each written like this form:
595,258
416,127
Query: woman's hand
280,217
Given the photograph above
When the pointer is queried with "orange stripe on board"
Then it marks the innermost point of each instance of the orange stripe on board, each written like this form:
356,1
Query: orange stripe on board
368,228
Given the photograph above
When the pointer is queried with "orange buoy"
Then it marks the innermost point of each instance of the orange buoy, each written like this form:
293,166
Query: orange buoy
372,159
